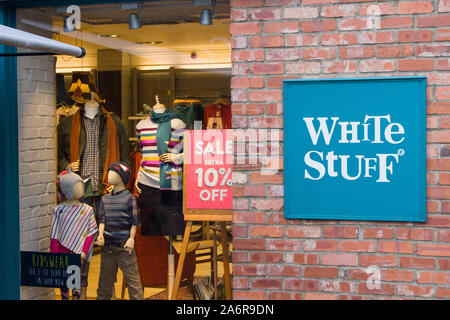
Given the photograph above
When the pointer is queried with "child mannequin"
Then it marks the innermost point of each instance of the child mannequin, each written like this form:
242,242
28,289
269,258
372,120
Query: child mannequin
117,228
69,235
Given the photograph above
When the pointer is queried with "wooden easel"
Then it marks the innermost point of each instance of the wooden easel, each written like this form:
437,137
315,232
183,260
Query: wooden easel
216,215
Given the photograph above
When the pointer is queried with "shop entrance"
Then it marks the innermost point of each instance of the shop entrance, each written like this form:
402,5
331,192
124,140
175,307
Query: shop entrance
137,54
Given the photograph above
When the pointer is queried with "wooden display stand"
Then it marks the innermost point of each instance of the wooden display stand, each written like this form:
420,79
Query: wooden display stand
216,215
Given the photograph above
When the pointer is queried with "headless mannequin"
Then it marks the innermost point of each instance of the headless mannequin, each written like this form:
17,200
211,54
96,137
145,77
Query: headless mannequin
91,109
166,157
115,180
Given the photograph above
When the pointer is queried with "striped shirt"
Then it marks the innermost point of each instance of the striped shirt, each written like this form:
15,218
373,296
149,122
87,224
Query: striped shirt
72,224
150,164
118,212
90,158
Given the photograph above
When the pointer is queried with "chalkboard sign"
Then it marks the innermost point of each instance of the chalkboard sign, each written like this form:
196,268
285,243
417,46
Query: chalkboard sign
51,270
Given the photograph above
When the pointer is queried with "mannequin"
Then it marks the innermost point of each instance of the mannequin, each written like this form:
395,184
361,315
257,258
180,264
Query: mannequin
65,229
117,212
159,181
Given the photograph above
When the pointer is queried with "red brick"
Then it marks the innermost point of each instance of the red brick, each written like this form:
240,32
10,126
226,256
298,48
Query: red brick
306,2
353,24
411,7
281,295
383,9
240,204
432,122
301,285
302,40
317,53
267,204
445,122
246,3
250,269
264,14
373,260
433,21
275,191
340,259
376,65
337,286
430,249
284,271
338,39
301,258
439,107
266,257
356,52
443,35
238,42
240,231
320,245
240,257
444,178
319,296
444,264
395,247
340,232
247,55
257,177
358,246
239,69
415,36
302,67
266,95
433,206
415,65
267,68
248,295
414,291
415,234
319,272
249,244
249,217
283,245
245,28
281,27
384,289
422,263
266,231
438,192
303,232
346,10
266,41
443,293
282,54
367,37
339,66
433,277
397,275
443,93
396,22
443,64
239,283
438,220
378,233
395,51
318,26
301,13
445,206
355,274
444,6
432,50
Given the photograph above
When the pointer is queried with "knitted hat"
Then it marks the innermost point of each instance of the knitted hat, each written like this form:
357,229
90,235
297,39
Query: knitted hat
123,170
67,181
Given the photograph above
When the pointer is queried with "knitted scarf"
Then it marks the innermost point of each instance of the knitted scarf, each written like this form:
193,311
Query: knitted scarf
112,150
163,134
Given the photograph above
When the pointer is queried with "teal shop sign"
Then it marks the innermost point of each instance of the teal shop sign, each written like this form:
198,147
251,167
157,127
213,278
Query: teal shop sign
355,149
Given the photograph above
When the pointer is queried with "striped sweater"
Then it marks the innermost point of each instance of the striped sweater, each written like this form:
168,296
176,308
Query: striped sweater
118,212
150,164
72,226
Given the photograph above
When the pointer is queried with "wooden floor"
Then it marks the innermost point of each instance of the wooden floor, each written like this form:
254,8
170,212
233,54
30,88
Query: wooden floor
202,269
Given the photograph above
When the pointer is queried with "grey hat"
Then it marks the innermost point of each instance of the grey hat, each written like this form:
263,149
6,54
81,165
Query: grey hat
67,181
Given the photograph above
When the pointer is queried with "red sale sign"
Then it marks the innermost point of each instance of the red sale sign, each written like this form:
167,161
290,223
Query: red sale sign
208,160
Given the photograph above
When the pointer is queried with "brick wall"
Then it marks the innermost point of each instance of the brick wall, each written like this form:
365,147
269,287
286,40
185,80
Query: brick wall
274,40
37,125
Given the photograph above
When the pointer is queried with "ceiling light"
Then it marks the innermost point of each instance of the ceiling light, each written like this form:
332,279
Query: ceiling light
135,21
149,42
206,17
108,35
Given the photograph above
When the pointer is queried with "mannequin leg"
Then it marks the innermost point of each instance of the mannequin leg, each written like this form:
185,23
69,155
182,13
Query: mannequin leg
108,271
129,267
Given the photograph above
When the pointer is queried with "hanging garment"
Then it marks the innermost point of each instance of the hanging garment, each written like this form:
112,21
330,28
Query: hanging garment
225,113
161,212
189,111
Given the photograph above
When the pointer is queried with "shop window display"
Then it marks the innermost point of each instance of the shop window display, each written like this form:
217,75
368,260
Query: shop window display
129,101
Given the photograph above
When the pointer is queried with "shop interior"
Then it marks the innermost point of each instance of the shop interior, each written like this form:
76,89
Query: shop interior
174,52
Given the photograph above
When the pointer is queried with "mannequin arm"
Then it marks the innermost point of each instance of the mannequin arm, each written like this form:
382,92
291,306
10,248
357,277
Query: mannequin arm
100,238
129,245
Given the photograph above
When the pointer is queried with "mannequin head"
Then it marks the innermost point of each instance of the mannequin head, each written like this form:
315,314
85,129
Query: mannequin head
119,175
158,107
78,190
114,178
71,185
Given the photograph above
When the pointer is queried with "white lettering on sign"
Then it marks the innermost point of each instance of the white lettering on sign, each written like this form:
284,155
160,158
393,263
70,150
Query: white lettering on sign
374,129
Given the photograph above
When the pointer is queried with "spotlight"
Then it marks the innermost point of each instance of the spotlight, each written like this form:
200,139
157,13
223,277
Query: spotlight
135,21
206,17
